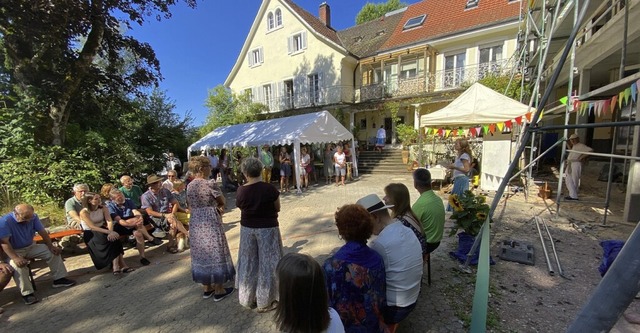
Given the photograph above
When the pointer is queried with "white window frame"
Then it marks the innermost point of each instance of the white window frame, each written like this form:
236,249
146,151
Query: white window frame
491,66
313,82
256,57
458,72
297,42
271,22
277,18
419,21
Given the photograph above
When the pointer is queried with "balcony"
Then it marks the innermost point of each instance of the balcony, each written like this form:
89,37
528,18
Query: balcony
305,98
440,80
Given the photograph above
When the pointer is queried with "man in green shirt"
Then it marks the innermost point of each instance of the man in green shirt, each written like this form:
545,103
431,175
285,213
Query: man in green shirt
131,191
428,208
73,206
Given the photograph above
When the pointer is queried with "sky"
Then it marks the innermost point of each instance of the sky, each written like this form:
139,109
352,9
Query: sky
198,47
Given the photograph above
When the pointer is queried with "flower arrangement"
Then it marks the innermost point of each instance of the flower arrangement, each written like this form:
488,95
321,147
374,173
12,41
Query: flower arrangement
470,211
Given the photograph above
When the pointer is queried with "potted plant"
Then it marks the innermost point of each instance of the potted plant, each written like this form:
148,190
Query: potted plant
407,134
470,211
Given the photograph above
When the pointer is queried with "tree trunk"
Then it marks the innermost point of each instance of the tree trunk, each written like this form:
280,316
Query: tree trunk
57,112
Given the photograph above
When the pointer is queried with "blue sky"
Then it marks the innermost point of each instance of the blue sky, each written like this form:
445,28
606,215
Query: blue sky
198,47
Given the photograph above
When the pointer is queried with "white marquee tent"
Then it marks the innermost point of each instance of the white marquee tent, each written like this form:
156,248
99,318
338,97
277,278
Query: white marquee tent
480,105
318,127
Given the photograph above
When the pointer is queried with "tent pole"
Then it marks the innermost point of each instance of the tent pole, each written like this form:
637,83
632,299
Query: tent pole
354,158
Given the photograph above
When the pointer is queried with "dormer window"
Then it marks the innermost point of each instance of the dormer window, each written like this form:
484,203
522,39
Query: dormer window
472,4
414,22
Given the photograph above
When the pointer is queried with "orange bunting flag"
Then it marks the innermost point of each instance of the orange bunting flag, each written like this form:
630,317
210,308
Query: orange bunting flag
492,128
508,124
576,105
500,126
528,115
519,120
614,99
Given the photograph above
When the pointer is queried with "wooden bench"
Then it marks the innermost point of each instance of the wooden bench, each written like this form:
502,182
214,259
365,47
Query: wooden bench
58,234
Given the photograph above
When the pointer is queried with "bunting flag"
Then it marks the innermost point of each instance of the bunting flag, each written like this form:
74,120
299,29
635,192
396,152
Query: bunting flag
461,132
478,130
627,94
563,100
605,105
447,133
620,97
508,124
500,126
528,115
492,128
598,106
576,105
519,120
634,91
486,129
613,103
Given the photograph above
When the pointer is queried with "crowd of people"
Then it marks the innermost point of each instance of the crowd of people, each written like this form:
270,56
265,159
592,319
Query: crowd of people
294,285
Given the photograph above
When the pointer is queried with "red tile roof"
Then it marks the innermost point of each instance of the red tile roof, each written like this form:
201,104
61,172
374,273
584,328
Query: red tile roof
448,17
315,23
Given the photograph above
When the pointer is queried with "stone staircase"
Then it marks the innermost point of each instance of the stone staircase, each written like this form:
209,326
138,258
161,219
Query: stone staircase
389,161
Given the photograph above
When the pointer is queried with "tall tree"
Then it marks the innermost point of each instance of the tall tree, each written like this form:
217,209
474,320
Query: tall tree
371,11
227,108
51,48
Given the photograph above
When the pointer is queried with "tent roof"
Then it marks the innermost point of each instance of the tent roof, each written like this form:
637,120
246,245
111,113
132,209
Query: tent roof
315,127
476,106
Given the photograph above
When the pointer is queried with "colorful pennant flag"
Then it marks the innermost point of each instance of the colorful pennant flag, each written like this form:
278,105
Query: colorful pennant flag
508,124
519,120
614,99
500,126
492,128
634,91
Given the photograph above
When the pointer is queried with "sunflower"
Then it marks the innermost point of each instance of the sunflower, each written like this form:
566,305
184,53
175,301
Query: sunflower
482,199
455,202
481,216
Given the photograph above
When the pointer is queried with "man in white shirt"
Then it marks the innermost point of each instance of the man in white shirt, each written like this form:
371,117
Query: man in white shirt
381,137
402,255
215,161
574,165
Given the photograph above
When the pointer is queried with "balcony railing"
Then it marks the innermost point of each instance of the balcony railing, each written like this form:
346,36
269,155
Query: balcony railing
308,98
440,80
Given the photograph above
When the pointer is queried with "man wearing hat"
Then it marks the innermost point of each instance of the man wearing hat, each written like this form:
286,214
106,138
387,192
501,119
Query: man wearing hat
402,255
267,161
157,202
574,165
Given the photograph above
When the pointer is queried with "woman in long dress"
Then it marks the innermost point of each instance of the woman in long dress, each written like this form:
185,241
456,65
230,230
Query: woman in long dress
104,245
211,263
260,241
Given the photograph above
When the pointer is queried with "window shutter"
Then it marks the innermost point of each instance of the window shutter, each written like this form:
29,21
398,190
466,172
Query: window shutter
290,44
321,88
303,36
250,57
261,55
254,95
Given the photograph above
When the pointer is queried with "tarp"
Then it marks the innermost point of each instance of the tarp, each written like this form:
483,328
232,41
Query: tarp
478,105
317,127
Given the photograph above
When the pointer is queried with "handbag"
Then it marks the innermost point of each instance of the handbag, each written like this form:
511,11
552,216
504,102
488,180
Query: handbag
308,168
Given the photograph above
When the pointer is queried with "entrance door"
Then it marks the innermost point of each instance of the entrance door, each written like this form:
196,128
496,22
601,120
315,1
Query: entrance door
388,129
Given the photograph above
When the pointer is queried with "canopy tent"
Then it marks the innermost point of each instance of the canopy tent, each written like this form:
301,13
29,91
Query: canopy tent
480,105
318,127
476,106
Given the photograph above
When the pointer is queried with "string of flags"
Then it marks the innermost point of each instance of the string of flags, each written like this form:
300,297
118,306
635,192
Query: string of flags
599,107
604,106
474,131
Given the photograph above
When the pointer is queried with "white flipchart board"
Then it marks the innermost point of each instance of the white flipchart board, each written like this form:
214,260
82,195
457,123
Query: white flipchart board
496,157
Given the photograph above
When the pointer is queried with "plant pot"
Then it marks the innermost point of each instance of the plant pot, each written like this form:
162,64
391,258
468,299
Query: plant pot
465,242
405,156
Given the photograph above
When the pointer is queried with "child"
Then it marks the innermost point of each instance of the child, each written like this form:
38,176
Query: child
181,211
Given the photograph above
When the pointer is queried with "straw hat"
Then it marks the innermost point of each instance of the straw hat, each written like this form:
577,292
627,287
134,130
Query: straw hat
154,179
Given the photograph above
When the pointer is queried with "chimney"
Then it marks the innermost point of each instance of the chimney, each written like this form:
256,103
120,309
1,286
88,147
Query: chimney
325,14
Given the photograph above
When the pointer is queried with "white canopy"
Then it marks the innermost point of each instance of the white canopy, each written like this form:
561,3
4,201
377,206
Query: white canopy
318,127
476,106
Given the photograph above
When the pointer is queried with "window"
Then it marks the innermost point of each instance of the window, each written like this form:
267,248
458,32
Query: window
288,94
490,61
472,4
270,22
255,57
278,18
414,22
297,42
267,93
363,124
249,93
409,68
454,70
314,88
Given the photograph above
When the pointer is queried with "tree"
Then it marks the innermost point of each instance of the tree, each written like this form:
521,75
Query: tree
371,11
51,50
227,108
507,86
